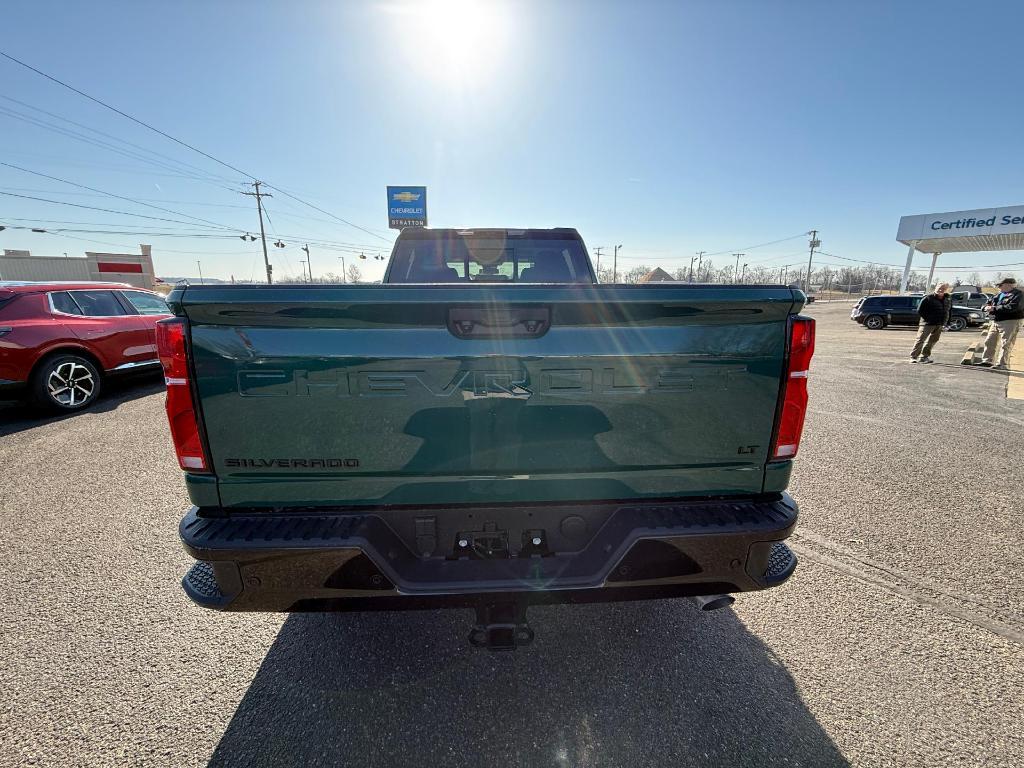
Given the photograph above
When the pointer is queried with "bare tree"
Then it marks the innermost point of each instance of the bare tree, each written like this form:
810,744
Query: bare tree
353,273
634,275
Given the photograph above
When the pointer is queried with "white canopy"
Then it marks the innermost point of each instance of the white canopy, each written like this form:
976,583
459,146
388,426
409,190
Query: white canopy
983,229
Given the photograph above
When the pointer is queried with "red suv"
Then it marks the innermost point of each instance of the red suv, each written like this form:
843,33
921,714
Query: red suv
59,340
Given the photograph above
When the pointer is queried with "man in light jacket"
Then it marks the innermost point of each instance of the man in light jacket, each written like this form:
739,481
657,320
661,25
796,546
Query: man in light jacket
1007,310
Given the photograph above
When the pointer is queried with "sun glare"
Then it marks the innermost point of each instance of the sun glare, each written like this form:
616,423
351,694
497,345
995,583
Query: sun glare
459,42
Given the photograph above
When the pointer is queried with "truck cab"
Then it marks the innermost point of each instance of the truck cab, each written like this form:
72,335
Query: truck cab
423,255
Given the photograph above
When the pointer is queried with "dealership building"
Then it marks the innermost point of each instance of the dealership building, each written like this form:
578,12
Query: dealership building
132,268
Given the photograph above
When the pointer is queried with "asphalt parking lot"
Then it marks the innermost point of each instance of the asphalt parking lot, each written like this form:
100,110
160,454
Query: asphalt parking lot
899,641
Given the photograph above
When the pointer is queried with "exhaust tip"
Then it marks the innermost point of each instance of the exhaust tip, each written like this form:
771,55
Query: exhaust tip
712,602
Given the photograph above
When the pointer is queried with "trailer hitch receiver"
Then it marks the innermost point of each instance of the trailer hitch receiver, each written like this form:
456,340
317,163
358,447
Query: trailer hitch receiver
501,626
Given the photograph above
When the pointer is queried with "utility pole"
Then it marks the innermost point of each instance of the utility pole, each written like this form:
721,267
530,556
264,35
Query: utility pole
263,235
598,250
700,261
815,243
308,261
303,263
615,264
692,259
736,272
344,279
784,273
200,265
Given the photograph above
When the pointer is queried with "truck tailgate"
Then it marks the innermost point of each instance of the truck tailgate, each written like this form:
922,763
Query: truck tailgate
368,395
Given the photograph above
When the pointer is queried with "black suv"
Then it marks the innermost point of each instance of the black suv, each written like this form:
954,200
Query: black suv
876,312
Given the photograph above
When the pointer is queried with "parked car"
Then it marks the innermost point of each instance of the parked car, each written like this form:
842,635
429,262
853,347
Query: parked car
973,299
58,341
877,312
489,428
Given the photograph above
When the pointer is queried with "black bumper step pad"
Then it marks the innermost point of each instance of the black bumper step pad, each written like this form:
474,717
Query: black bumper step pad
781,563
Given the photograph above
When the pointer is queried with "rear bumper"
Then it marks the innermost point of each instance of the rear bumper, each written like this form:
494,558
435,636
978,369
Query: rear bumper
344,560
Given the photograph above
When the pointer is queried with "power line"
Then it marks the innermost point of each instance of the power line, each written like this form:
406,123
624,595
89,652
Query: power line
144,199
115,168
96,208
201,231
327,213
185,144
759,245
900,266
178,172
114,138
716,253
124,114
187,235
111,194
332,245
88,223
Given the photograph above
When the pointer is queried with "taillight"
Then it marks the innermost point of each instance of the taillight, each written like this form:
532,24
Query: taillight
170,344
794,398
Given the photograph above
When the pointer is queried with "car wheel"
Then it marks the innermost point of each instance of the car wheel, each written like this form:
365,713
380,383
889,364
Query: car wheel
65,383
874,322
957,323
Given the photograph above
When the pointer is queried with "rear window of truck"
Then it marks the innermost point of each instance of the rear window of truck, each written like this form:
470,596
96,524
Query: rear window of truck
457,258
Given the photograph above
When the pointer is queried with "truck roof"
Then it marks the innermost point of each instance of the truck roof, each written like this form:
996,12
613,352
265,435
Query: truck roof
428,232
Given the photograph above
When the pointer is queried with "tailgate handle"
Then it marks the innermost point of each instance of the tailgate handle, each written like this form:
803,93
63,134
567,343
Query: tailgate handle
499,322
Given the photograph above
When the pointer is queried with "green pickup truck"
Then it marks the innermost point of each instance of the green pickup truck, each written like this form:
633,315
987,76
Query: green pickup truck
489,428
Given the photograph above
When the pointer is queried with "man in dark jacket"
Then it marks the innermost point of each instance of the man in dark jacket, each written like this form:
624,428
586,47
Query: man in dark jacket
1007,310
934,313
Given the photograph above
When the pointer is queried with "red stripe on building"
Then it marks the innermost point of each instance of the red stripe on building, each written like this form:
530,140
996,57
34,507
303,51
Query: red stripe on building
118,266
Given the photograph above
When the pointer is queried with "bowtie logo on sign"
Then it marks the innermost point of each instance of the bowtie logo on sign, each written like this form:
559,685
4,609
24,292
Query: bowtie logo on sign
407,207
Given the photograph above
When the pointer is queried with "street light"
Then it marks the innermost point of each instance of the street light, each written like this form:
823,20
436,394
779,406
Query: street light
308,261
735,272
615,264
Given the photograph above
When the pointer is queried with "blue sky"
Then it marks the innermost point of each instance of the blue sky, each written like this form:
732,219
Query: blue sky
668,127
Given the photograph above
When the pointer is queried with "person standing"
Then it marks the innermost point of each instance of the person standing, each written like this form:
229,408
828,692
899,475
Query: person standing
934,313
1007,310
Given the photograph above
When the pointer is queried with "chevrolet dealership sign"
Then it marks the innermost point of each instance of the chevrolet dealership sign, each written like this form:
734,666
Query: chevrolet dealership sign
984,229
407,207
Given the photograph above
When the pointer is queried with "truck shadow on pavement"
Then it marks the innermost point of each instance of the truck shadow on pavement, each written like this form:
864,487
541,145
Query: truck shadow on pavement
647,683
16,415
